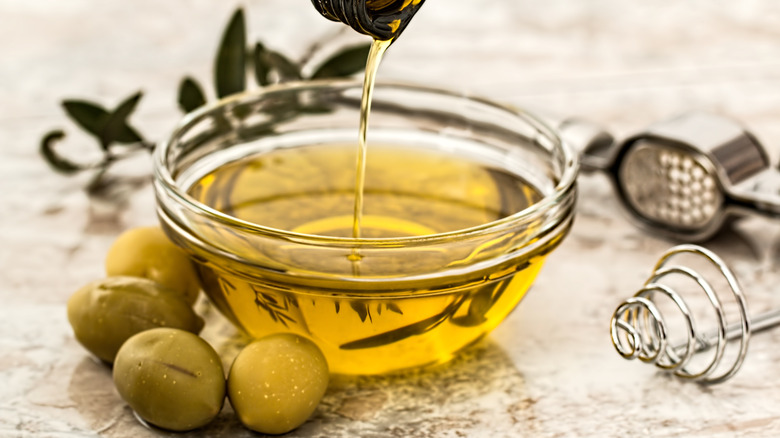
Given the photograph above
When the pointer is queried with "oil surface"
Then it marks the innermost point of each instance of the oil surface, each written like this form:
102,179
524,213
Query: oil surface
408,192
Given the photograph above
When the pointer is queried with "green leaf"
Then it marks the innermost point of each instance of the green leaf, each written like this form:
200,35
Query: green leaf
268,61
361,309
116,129
191,95
344,63
230,64
394,308
90,116
262,65
286,69
401,333
481,302
57,163
127,134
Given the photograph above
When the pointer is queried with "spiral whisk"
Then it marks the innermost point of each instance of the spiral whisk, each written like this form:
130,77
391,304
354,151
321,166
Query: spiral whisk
639,329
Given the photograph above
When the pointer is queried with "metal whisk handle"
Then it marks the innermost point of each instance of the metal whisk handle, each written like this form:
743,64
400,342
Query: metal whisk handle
757,324
639,330
381,19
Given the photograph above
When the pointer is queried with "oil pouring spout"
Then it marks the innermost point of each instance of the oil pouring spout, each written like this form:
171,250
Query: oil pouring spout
382,19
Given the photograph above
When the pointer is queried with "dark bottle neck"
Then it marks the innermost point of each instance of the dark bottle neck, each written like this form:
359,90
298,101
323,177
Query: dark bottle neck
381,19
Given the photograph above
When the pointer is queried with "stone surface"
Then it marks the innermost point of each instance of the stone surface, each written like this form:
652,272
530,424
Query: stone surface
550,369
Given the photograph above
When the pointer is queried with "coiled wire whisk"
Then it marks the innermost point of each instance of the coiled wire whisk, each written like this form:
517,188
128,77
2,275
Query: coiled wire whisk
639,330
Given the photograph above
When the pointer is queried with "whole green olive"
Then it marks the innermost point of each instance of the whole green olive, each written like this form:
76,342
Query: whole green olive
106,312
276,383
147,252
171,378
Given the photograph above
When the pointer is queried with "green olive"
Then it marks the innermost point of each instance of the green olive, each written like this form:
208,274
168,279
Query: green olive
147,252
171,378
276,382
105,313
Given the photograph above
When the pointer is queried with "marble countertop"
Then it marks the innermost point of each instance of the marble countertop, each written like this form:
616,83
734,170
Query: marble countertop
550,369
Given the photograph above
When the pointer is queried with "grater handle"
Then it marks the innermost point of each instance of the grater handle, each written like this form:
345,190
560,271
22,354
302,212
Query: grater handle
591,142
759,194
594,145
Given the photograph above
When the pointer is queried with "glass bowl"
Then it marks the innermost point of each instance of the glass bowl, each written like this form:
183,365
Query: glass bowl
465,198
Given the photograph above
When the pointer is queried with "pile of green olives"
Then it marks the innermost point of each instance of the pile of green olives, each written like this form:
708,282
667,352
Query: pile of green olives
140,320
174,380
139,293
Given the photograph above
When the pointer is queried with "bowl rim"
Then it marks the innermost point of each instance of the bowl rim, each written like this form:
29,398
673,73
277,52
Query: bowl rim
565,187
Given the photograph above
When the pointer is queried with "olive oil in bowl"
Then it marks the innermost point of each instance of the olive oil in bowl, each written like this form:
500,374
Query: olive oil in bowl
462,201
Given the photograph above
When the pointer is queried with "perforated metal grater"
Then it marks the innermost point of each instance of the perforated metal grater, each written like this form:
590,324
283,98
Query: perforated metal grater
683,177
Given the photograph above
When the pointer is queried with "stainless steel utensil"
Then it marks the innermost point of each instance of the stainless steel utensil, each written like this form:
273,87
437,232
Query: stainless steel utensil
639,329
683,177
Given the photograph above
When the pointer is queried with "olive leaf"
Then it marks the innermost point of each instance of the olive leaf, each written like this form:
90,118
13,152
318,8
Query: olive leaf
361,309
277,311
191,95
389,306
90,116
399,334
230,63
107,127
262,65
57,162
269,63
481,302
344,63
394,308
284,67
111,127
116,128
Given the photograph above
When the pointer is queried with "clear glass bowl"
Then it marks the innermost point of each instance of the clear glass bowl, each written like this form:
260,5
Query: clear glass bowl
374,304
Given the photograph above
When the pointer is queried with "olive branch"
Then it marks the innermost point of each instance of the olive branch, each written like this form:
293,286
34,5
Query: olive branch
235,60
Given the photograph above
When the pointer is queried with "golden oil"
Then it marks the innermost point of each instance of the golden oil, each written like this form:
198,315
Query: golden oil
378,49
387,322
